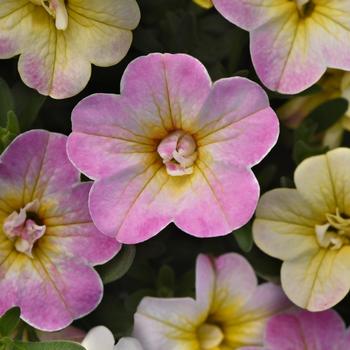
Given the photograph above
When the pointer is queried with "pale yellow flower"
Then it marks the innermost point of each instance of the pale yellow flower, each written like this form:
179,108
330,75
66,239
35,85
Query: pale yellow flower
59,39
309,229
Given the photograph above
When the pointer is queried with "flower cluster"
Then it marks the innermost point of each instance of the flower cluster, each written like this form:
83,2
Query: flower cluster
175,148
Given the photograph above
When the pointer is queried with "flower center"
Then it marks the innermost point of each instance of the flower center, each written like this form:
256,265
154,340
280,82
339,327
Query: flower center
24,228
305,7
209,336
57,9
335,233
178,152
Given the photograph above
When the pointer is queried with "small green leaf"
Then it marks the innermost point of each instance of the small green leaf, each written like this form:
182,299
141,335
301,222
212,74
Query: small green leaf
165,281
328,113
302,151
9,321
57,345
6,101
118,266
244,238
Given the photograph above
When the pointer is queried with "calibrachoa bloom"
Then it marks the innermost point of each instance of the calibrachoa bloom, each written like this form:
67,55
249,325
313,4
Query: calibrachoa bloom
230,310
172,147
334,84
293,41
207,4
59,39
309,229
101,338
48,243
305,330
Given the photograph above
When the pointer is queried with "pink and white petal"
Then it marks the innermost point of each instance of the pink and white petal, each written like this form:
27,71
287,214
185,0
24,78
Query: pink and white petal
232,119
224,284
101,30
249,325
323,180
53,65
51,292
97,338
251,14
134,205
128,344
15,19
285,224
317,282
283,332
168,323
287,53
321,330
205,281
69,227
43,168
107,137
166,90
228,192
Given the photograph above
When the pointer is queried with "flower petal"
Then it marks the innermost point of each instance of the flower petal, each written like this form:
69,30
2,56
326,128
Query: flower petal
324,182
107,137
224,284
317,282
231,121
134,205
169,93
42,170
296,61
228,192
168,323
70,229
128,344
101,30
249,324
65,288
98,338
285,224
319,331
253,13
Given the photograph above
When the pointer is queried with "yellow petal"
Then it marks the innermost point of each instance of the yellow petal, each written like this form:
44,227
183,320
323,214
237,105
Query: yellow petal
207,4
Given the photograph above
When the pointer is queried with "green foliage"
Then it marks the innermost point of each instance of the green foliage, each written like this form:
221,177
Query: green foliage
63,345
118,266
9,321
244,238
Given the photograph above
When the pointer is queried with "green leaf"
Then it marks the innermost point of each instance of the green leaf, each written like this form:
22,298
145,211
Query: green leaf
118,266
57,345
166,281
9,321
328,113
28,103
6,101
10,132
244,238
302,151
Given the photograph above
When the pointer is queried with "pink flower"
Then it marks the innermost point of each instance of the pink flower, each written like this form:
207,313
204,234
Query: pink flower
293,41
306,330
48,241
230,310
173,147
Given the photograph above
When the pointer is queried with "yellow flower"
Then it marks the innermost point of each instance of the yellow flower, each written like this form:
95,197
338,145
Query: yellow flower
207,4
309,229
59,39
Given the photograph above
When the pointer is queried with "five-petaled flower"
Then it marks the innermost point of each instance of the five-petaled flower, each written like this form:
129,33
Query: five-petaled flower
305,330
309,229
59,39
293,41
173,147
48,243
230,310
